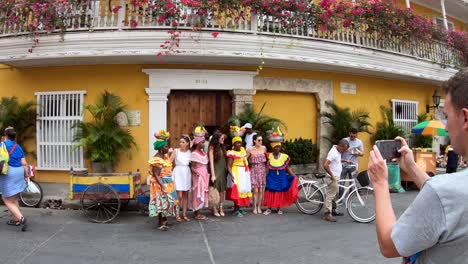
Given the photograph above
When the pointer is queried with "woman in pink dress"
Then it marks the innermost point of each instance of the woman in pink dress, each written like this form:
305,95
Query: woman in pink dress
200,178
257,162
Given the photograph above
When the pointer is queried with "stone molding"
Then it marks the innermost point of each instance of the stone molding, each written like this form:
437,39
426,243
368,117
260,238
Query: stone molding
323,91
229,48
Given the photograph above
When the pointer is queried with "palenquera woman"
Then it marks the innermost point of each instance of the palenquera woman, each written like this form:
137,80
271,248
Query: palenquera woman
163,196
239,188
281,183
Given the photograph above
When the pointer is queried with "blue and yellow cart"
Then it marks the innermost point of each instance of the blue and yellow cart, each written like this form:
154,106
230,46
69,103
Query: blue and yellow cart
102,195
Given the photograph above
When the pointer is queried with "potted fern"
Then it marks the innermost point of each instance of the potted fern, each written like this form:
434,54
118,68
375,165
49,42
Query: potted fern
103,139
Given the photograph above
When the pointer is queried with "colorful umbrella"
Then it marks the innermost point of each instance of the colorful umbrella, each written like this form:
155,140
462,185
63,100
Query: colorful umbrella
430,128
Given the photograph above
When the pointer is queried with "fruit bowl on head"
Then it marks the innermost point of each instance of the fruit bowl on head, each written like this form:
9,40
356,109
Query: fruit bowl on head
237,134
275,138
199,134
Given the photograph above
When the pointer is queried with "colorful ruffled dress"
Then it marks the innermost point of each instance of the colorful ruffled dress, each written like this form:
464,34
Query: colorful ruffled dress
258,170
239,189
200,180
161,202
281,188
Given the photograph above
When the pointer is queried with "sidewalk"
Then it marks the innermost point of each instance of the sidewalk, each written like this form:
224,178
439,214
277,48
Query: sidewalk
60,192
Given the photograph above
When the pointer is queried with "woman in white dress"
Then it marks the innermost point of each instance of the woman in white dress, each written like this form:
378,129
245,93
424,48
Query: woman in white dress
182,175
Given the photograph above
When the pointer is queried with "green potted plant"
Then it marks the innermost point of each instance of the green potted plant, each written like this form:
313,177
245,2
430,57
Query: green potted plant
387,129
21,116
103,139
342,119
303,153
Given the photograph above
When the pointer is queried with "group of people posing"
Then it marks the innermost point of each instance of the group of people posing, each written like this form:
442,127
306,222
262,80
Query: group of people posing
181,178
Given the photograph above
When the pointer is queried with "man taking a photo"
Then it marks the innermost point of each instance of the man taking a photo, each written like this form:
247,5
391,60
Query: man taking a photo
434,228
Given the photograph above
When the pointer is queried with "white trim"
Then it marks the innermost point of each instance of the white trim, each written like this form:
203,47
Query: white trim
60,92
162,81
137,47
174,79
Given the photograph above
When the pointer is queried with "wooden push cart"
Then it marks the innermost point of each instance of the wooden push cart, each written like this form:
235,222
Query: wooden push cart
102,195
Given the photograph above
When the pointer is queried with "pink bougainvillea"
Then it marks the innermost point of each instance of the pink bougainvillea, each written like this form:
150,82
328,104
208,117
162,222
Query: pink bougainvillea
379,18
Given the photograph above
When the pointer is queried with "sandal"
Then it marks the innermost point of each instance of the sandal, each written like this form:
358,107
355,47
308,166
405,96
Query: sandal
201,217
267,212
13,222
186,219
179,219
238,214
221,211
23,224
163,228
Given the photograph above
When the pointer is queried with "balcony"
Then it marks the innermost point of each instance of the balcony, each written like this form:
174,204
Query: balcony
127,34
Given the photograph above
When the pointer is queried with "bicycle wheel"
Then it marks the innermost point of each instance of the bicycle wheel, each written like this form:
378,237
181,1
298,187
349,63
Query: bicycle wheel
30,199
361,212
310,200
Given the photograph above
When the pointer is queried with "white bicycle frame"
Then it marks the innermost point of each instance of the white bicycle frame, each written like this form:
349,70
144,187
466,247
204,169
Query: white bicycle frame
322,187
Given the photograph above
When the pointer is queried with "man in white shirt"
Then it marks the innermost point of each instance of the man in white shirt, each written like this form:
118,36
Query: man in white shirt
333,168
249,133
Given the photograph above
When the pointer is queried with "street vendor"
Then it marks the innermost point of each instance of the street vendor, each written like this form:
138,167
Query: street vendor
163,196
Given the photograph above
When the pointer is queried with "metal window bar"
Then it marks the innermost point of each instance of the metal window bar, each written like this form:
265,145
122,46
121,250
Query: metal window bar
57,113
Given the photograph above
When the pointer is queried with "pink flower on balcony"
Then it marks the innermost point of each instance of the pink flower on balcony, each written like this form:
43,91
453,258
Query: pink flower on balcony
161,19
215,34
133,23
347,22
116,9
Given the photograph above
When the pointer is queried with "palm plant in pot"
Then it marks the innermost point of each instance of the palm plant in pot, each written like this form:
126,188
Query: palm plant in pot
103,139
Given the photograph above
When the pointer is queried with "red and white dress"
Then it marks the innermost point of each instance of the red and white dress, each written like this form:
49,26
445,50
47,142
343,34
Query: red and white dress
239,188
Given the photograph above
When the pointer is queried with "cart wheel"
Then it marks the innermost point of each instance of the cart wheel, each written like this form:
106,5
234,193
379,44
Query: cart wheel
100,203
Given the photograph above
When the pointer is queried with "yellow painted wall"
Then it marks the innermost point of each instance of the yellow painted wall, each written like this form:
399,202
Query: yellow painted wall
126,81
371,94
129,82
303,123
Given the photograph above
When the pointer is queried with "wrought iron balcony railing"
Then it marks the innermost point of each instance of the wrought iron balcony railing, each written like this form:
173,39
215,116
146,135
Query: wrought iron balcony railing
99,16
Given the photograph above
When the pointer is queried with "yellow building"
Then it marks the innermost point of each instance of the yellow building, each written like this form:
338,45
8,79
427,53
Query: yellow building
213,77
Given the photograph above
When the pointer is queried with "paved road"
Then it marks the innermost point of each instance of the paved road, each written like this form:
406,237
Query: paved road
57,236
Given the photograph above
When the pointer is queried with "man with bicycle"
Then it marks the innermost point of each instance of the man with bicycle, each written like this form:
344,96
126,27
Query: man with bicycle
333,168
434,228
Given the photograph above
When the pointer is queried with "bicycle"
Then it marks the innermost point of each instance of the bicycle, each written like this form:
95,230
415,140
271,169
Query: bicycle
32,194
359,201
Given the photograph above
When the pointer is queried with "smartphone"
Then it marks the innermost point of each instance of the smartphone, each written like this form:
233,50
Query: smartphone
389,148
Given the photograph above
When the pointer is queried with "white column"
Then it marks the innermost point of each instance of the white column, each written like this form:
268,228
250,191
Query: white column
408,5
157,113
444,14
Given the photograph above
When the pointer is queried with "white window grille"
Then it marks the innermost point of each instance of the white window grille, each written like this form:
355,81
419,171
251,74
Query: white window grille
439,22
405,114
57,113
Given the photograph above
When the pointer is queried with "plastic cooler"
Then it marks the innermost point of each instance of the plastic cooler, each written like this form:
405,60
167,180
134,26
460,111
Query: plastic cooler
394,179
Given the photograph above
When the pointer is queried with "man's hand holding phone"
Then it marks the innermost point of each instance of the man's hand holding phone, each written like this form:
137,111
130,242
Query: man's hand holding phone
406,159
